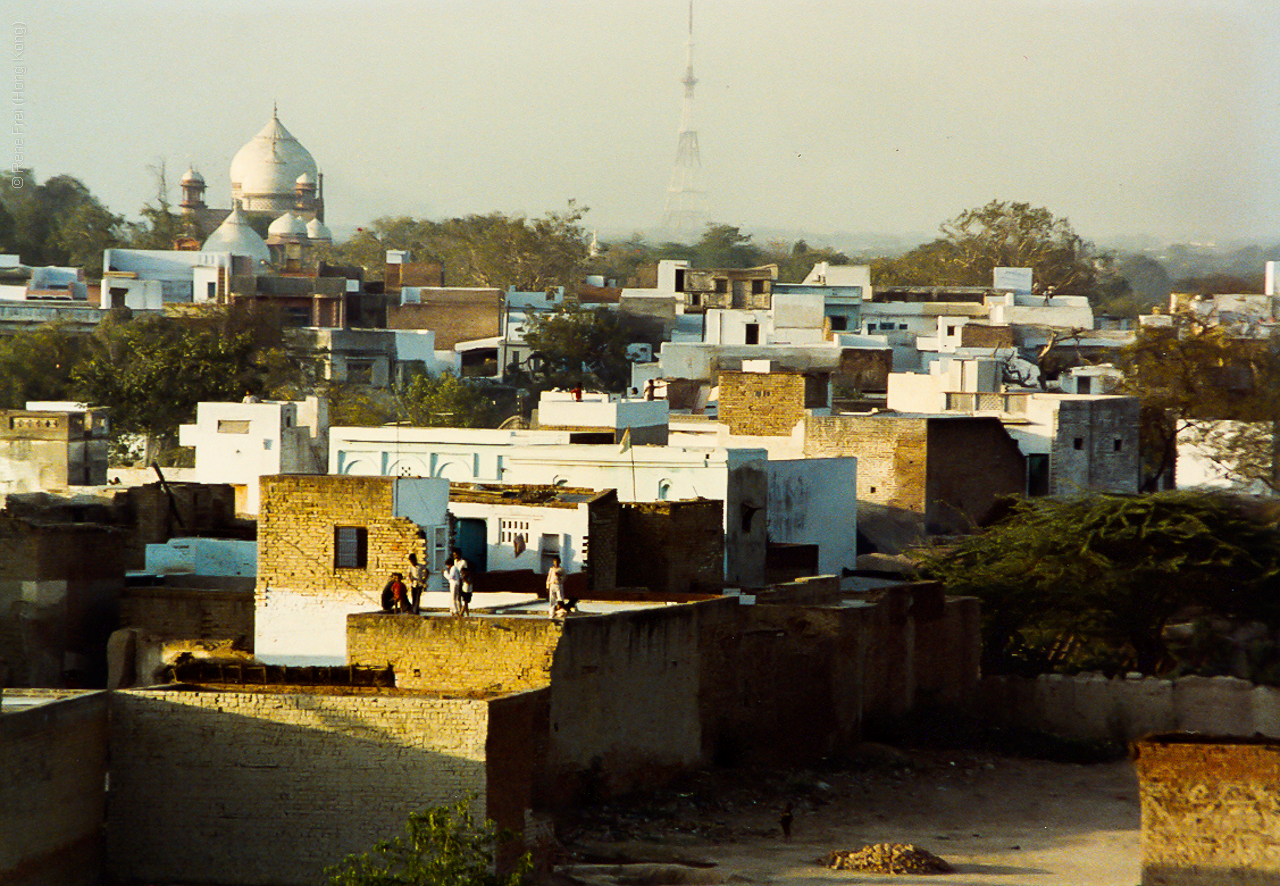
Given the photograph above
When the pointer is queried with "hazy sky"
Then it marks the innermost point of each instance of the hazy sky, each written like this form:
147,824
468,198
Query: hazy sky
1126,116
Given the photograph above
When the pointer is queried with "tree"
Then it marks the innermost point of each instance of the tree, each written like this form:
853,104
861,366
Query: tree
55,222
577,347
1092,582
445,401
443,846
38,364
1190,377
725,246
160,227
484,250
153,371
1000,234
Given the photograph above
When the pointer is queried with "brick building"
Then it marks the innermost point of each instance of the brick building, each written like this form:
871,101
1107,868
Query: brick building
938,473
327,545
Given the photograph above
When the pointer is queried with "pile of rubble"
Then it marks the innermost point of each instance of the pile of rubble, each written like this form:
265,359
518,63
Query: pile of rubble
888,858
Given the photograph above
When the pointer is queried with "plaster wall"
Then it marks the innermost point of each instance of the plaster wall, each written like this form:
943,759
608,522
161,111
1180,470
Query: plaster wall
1093,708
203,556
503,522
815,501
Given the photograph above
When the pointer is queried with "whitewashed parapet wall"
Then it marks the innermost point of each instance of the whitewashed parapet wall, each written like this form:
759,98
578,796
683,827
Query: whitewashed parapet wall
1094,708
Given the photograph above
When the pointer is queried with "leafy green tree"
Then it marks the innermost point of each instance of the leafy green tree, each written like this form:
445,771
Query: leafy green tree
796,260
1000,234
1092,582
84,233
725,246
152,371
38,364
442,846
1192,375
575,346
446,401
55,222
484,250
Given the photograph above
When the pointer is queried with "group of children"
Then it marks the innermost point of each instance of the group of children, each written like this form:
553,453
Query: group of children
399,597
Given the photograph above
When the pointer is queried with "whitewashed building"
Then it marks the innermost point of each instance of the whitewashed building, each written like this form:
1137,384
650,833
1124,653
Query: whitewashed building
238,443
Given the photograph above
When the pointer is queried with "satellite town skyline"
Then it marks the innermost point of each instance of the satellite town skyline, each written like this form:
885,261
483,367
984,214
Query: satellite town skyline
1124,116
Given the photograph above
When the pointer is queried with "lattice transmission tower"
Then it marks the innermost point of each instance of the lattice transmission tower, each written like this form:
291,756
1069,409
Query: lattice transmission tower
686,201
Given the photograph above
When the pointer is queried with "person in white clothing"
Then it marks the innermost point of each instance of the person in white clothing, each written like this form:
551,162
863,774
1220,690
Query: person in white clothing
555,587
455,578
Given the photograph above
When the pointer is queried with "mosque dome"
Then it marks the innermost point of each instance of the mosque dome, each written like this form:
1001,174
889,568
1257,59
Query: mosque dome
316,230
269,165
306,180
287,225
191,177
236,237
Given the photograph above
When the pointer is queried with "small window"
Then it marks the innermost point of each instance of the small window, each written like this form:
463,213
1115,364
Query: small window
232,426
1118,444
679,279
951,330
753,334
350,547
872,490
757,287
839,324
664,490
722,284
902,325
1078,443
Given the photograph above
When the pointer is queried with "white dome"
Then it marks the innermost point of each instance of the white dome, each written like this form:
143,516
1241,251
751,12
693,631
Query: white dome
316,230
288,225
236,237
270,163
306,180
191,177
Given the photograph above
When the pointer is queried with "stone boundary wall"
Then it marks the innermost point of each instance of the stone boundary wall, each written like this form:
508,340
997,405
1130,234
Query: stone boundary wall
1210,811
53,764
261,787
1093,708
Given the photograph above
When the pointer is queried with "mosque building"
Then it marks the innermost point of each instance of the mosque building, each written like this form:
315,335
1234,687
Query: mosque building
275,186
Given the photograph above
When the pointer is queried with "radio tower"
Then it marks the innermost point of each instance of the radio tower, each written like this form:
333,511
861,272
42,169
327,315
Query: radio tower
686,202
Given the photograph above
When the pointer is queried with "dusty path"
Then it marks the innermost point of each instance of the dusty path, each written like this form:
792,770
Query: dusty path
997,820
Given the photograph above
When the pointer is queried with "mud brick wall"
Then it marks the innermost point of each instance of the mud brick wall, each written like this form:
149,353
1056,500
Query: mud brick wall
624,686
189,613
891,452
1210,811
780,682
208,786
948,647
53,762
972,462
672,547
296,534
60,589
458,655
624,695
761,404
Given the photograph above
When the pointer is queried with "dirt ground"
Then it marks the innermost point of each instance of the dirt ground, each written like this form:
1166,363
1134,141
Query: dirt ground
995,819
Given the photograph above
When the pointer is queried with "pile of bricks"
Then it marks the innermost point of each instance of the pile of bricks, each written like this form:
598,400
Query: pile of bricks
889,858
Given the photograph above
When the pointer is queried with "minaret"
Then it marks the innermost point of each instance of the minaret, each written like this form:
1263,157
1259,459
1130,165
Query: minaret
686,202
